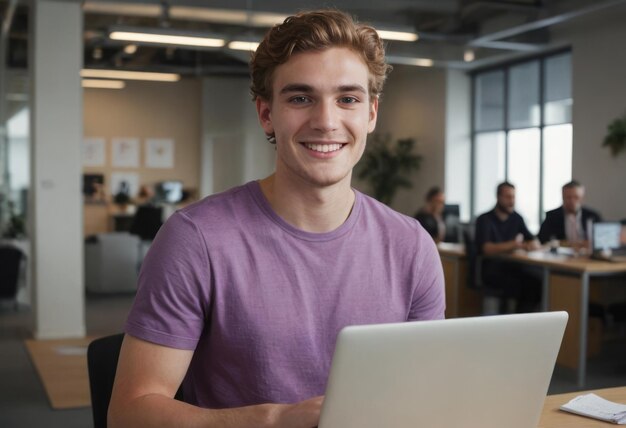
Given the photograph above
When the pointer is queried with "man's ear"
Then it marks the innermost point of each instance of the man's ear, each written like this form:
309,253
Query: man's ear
373,115
263,110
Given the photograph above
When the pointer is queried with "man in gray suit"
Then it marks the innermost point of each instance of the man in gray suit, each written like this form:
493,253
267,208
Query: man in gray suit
569,221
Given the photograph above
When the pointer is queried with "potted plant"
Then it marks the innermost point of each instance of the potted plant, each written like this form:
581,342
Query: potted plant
387,166
616,137
16,227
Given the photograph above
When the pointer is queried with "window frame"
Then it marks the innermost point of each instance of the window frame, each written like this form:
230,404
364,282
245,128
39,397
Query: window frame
506,67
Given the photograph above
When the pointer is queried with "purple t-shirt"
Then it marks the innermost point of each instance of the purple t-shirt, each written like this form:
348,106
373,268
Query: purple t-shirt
262,302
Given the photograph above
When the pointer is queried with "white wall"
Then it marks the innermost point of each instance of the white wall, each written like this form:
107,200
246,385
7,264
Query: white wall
146,110
599,91
413,105
234,149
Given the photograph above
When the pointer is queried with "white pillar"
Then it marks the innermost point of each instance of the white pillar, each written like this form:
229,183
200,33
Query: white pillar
57,223
458,141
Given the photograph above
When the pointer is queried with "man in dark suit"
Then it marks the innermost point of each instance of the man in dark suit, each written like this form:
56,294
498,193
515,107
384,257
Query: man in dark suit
569,221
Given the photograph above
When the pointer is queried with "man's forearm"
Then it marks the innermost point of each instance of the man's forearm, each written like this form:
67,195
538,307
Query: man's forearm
156,410
492,248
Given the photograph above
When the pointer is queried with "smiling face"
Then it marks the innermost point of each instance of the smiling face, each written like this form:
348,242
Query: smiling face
320,113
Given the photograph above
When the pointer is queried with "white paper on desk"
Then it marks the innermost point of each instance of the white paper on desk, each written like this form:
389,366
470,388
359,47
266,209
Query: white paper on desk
593,406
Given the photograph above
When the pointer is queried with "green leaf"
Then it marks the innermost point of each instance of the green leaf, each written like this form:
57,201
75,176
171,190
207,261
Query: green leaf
387,166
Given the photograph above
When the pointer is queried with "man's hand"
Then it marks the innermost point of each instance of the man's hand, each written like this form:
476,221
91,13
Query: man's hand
532,245
305,414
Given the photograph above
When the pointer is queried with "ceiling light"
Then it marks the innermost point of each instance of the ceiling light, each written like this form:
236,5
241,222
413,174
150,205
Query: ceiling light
403,36
243,46
227,16
468,55
166,37
130,49
103,84
266,19
420,62
130,75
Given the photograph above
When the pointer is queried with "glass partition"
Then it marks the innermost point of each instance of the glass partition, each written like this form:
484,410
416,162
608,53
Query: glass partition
14,123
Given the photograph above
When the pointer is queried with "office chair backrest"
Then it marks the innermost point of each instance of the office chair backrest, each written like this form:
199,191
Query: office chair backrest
473,281
10,259
147,222
102,356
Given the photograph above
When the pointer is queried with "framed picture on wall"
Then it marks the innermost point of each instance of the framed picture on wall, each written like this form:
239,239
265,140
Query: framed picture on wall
125,152
159,152
93,151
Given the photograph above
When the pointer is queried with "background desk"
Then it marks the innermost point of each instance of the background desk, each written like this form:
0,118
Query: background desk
461,301
552,417
566,287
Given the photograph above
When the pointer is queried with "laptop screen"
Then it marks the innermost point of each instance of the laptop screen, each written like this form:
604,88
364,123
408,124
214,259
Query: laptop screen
606,236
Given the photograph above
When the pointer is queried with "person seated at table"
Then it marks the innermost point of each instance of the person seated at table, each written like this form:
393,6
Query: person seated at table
431,215
149,216
569,222
503,231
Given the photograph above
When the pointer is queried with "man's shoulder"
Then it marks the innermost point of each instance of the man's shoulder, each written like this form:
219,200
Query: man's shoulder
390,224
554,213
486,217
384,214
222,201
591,213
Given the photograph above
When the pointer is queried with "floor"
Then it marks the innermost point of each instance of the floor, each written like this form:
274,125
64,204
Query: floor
23,402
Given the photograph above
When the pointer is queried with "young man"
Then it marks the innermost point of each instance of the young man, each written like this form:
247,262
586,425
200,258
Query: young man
500,231
242,294
569,221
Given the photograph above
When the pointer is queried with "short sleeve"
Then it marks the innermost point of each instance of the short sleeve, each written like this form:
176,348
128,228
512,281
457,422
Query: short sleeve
173,295
527,235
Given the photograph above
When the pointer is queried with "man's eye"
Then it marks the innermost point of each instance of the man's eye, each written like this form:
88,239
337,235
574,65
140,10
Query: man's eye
348,100
299,100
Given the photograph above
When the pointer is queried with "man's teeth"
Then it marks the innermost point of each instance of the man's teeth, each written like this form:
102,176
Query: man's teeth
324,148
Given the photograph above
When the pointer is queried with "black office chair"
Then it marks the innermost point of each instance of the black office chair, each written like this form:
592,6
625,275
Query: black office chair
10,259
102,356
492,294
147,222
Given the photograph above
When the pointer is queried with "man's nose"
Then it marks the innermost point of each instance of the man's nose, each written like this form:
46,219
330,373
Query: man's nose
324,116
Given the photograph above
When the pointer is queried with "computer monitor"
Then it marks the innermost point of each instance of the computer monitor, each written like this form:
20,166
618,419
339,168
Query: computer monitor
170,191
90,183
606,236
451,217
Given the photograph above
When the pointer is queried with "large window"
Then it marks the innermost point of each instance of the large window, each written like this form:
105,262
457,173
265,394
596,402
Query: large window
522,133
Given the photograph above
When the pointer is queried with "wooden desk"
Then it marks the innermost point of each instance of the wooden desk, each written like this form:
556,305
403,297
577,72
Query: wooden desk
461,301
561,277
552,417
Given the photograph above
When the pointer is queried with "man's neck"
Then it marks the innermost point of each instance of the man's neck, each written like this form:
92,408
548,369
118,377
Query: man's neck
502,214
312,209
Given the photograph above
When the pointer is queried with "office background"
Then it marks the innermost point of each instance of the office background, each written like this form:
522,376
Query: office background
219,143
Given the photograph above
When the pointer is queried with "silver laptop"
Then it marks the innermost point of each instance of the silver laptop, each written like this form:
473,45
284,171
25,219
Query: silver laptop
487,372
